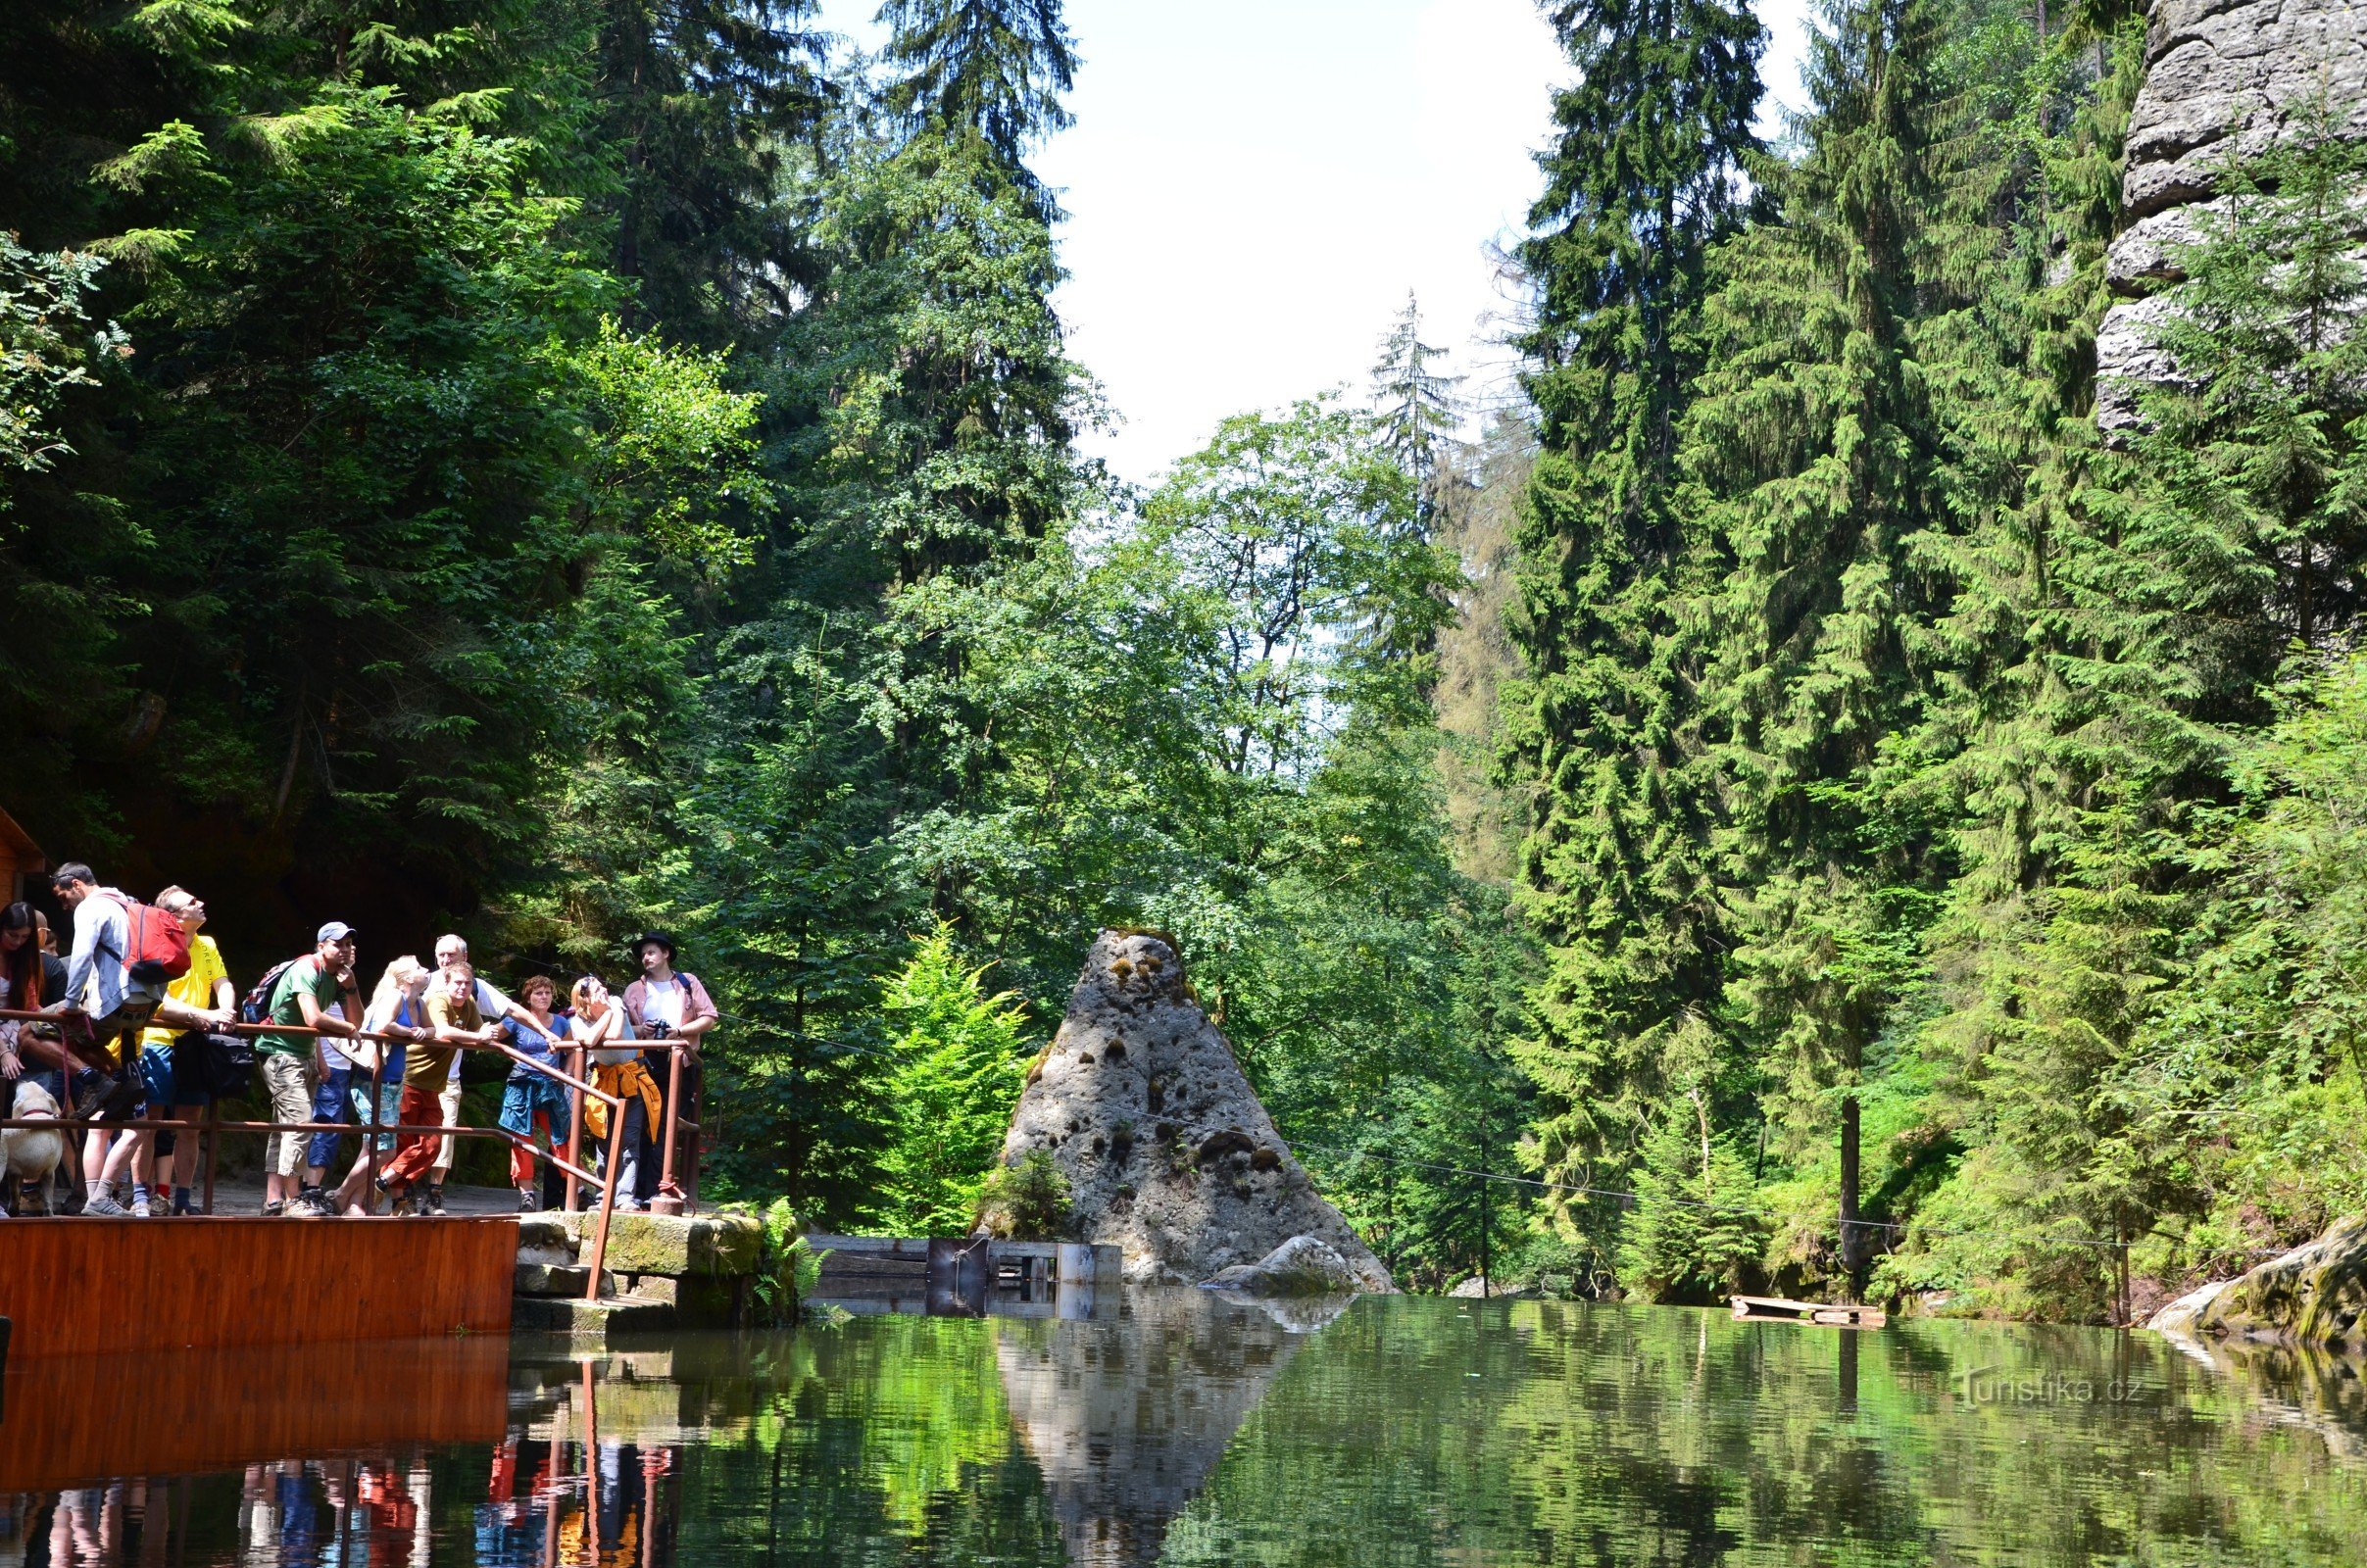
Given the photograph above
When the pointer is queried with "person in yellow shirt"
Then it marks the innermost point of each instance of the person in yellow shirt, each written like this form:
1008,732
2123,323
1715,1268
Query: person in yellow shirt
205,1000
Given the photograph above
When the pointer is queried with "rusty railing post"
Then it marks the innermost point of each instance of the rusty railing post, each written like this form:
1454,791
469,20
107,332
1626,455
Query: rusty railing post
608,1199
667,1192
212,1137
575,1127
369,1138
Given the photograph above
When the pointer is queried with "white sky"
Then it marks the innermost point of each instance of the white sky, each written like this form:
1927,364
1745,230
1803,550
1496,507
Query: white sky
1253,185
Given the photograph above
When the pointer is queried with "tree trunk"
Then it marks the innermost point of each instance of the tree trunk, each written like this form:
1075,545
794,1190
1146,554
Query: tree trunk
1853,1234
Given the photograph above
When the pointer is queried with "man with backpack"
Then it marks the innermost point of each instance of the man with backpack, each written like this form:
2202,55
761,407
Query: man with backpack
301,992
100,983
124,954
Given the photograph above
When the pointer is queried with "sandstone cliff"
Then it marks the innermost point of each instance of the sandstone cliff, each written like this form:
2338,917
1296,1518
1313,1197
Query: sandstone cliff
2225,81
1168,1154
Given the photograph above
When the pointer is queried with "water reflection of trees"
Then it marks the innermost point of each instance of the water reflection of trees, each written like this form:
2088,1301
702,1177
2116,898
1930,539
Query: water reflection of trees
1187,1431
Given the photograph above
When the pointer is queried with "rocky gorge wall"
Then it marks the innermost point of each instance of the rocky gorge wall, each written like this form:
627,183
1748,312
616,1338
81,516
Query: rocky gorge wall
2226,80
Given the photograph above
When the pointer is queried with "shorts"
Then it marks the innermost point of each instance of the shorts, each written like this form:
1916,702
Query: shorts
130,1016
390,1101
522,1102
156,1071
189,1086
329,1104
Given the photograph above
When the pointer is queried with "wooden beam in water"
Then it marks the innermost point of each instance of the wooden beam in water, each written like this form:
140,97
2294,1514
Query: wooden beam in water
1833,1314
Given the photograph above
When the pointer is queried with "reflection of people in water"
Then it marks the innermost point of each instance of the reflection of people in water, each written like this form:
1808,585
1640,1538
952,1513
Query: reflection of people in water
298,1516
509,1526
390,1520
629,1477
87,1529
372,1512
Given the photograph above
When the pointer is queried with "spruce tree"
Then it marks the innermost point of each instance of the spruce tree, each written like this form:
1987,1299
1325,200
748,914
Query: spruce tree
1641,182
994,67
1416,405
701,103
1815,449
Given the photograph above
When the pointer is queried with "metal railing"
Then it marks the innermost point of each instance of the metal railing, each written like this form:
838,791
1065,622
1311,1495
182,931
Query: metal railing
577,1086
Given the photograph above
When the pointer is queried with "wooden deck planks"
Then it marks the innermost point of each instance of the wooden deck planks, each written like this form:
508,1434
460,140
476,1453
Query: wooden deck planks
72,1420
85,1287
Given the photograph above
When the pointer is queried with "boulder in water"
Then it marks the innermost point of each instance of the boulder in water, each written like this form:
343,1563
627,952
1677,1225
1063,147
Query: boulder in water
2313,1294
1300,1266
1166,1150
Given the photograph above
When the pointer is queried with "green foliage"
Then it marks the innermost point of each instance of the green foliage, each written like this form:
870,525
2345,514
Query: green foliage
1027,1199
1600,734
961,1062
1954,719
597,466
46,348
788,1269
1695,1234
995,68
1415,403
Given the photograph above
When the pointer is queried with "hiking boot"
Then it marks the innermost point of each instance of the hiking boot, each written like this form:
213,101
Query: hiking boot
311,1204
402,1207
90,1088
433,1205
530,1201
103,1204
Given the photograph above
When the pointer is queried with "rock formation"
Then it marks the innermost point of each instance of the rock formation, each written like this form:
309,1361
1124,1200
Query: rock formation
2313,1294
1127,1439
1167,1153
1300,1266
2225,81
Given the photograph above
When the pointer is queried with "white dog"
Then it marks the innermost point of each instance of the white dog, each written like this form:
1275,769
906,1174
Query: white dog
33,1152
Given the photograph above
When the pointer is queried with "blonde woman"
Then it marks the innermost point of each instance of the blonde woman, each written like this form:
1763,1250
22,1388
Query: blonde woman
617,1069
396,1008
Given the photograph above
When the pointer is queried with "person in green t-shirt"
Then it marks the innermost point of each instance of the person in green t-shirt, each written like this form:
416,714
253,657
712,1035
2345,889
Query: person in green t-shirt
302,996
452,1012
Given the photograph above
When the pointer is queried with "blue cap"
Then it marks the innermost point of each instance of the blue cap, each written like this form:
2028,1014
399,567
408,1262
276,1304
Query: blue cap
334,931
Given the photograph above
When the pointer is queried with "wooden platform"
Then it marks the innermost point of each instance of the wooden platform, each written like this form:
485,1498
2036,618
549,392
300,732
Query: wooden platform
72,1420
86,1287
1833,1314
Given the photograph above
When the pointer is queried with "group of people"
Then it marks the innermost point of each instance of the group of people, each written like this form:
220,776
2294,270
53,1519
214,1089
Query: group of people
110,1032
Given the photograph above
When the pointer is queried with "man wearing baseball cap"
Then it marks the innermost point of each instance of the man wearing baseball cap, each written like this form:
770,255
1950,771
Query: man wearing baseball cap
301,995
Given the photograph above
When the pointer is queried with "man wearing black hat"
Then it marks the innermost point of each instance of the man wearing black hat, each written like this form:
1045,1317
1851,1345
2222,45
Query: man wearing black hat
666,1005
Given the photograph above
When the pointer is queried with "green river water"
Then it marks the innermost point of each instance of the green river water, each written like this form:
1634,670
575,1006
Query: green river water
1175,1428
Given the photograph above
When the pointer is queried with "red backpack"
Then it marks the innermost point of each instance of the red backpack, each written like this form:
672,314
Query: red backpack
155,948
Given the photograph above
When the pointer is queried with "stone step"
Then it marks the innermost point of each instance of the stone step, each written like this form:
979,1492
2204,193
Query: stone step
561,1279
590,1322
707,1244
544,1239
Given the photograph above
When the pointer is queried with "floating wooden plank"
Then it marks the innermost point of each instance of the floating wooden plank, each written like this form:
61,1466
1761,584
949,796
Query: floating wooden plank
1836,1314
